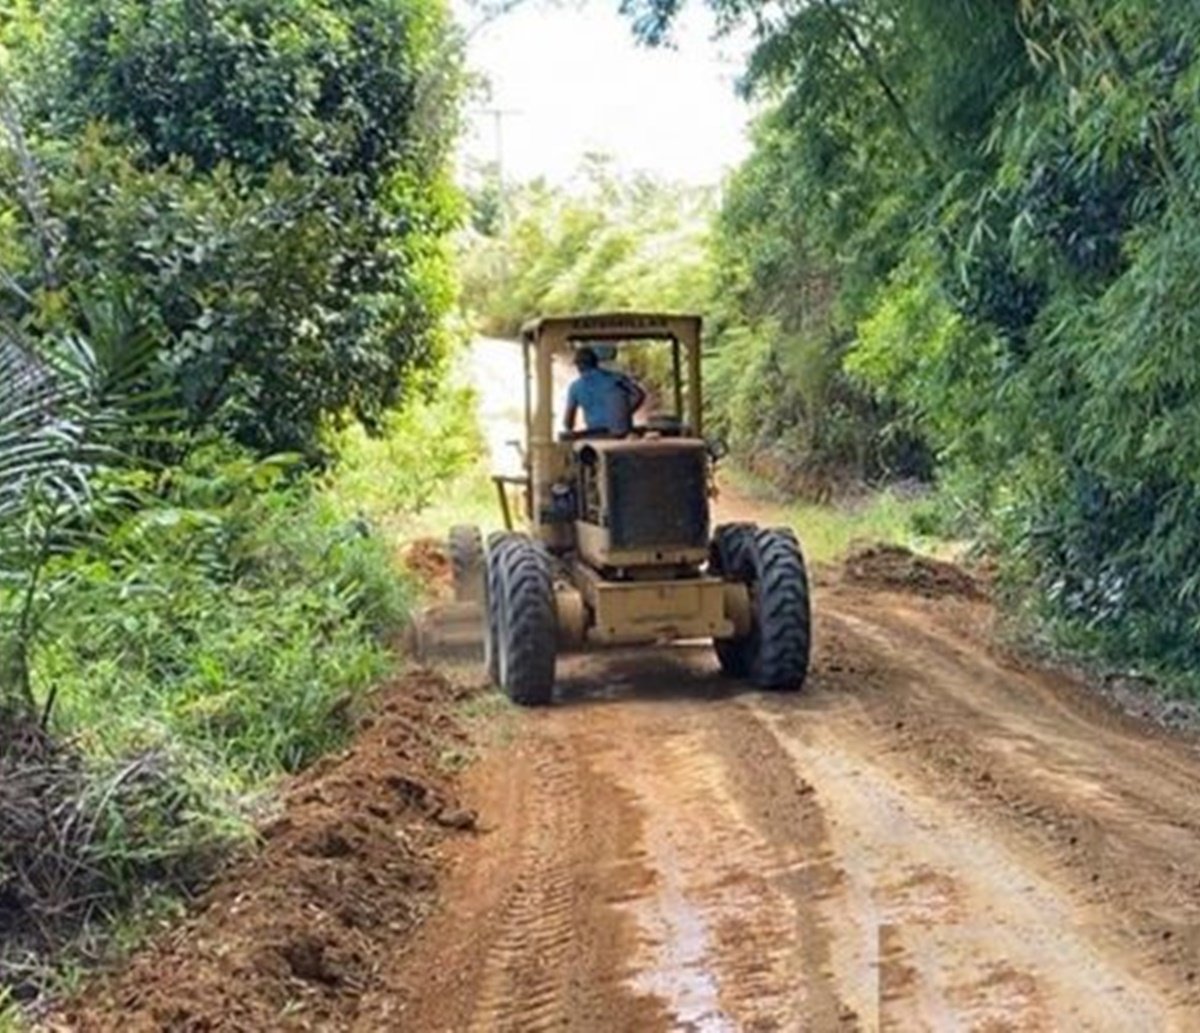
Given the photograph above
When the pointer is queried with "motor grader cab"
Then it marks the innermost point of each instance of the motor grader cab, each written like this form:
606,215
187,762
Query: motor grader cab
616,546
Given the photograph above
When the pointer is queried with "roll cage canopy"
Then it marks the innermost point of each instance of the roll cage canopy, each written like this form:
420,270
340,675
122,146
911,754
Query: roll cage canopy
613,327
554,335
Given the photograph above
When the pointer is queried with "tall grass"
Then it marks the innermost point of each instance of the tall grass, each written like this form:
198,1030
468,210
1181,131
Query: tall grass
828,531
236,631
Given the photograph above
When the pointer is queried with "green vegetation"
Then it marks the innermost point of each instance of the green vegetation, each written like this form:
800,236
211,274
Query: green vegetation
829,530
239,617
777,392
962,249
259,186
205,645
606,244
223,261
1002,200
402,480
467,498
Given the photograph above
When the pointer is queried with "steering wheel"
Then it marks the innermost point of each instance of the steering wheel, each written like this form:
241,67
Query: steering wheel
585,435
664,426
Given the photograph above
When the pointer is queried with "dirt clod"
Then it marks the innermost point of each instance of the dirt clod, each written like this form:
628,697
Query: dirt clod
457,818
428,560
307,960
895,568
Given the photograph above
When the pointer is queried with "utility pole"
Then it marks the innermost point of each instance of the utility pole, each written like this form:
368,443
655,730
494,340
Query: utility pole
498,116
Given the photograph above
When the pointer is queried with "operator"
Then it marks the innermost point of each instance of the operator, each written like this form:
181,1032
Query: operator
608,399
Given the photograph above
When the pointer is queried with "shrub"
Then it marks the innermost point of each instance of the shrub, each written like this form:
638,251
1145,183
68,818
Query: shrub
215,638
238,619
264,184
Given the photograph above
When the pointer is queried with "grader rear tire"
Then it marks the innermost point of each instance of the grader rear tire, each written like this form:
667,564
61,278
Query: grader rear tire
775,653
782,635
526,623
727,559
497,542
467,563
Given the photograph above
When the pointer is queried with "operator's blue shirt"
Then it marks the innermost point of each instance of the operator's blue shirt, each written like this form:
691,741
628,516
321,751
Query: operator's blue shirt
606,399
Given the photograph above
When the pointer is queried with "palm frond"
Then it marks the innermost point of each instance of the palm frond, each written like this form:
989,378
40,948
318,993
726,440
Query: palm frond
68,413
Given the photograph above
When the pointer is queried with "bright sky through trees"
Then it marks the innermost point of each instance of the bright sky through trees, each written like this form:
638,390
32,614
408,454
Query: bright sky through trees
572,80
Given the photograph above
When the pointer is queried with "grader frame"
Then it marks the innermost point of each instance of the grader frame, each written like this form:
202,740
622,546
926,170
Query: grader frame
617,548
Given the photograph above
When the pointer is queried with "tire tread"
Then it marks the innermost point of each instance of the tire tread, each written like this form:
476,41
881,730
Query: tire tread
783,610
528,626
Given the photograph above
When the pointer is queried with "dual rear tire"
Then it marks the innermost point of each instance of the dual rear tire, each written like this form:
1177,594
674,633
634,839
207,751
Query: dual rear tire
775,652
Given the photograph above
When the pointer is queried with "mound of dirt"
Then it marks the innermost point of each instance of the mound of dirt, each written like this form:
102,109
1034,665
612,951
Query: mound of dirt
292,937
428,560
894,568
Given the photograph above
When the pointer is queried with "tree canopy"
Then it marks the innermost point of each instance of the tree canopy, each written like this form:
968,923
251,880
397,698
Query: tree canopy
984,216
263,184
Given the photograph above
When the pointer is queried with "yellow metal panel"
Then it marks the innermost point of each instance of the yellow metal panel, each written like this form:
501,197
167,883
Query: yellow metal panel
594,545
651,611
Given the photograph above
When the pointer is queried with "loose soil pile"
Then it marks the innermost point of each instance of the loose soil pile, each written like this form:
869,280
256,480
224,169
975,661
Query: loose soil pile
428,560
294,936
894,568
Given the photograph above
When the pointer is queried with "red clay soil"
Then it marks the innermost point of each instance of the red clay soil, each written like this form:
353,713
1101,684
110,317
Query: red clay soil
292,937
931,835
895,568
427,560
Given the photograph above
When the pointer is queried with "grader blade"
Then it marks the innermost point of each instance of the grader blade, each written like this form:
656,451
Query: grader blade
448,632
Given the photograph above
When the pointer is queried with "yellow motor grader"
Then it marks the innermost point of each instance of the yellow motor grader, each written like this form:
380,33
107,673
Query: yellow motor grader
615,547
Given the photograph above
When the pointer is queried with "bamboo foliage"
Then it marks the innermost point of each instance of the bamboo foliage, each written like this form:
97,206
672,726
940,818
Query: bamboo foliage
1002,196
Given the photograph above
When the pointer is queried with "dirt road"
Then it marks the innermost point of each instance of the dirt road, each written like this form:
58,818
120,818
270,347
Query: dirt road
928,837
931,835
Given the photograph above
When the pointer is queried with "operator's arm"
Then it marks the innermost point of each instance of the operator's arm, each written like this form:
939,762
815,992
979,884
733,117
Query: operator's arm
572,409
637,393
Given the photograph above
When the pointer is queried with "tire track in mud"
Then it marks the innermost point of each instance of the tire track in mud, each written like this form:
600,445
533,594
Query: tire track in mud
718,923
1096,801
960,932
928,837
526,978
734,841
773,798
948,822
798,884
889,850
534,936
830,877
